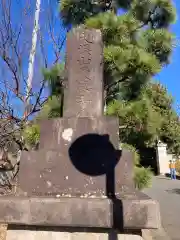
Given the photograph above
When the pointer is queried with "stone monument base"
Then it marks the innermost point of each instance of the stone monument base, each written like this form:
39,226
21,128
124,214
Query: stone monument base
68,218
127,212
39,234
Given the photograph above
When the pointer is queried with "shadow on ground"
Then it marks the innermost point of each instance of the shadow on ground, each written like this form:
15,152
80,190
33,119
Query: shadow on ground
169,176
165,178
175,191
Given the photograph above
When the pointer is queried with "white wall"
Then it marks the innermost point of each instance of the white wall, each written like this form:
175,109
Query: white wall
162,158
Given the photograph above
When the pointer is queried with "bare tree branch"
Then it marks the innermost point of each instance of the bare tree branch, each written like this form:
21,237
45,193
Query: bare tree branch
15,40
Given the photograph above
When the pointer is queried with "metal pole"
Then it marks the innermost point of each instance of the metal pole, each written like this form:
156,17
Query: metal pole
32,57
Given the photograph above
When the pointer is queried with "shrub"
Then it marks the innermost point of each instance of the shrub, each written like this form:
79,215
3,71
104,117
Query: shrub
143,177
32,135
132,149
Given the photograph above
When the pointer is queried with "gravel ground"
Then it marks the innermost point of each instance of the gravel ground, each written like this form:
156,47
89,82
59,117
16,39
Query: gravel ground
167,193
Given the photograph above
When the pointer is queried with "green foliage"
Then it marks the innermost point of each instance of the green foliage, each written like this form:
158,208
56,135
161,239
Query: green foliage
143,177
55,79
127,63
162,102
51,109
139,122
161,12
148,118
75,11
32,135
137,43
132,149
158,43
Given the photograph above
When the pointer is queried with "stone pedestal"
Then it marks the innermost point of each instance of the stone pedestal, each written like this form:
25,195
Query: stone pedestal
55,235
132,211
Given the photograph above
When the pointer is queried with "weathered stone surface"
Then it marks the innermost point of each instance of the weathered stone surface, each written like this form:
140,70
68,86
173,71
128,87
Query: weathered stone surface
84,63
159,234
52,173
141,211
53,235
124,171
60,133
80,212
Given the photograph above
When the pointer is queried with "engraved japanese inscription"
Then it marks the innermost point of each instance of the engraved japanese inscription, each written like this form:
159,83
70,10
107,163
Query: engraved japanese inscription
85,74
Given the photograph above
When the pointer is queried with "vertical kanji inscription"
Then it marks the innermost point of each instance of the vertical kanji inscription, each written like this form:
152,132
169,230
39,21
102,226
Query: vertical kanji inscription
85,73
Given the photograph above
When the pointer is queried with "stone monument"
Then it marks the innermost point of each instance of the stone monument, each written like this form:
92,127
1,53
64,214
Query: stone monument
78,181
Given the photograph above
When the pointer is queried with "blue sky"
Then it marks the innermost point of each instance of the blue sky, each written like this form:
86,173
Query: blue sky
170,75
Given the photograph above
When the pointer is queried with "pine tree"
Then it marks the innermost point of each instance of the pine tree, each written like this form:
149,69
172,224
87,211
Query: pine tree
148,118
137,40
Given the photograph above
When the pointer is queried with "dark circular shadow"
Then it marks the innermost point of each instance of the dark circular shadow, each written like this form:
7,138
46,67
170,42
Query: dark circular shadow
93,154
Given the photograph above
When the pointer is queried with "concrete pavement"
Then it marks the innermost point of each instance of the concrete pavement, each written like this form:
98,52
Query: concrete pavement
167,193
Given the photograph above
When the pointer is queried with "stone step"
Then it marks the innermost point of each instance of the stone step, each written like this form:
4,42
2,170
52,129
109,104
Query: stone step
80,212
54,235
